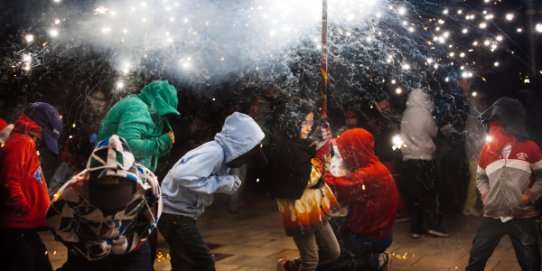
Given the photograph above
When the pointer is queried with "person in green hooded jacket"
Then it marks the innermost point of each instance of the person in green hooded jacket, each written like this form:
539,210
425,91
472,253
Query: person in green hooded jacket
141,119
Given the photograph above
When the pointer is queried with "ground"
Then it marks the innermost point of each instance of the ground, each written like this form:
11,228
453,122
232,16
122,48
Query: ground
253,239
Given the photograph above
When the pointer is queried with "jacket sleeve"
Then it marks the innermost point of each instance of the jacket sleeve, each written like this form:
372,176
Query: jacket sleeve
347,188
535,191
17,158
134,127
195,172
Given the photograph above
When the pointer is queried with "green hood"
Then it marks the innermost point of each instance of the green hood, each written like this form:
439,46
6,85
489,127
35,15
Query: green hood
161,97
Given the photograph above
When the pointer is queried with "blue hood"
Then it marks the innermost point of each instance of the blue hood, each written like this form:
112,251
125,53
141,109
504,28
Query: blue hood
239,135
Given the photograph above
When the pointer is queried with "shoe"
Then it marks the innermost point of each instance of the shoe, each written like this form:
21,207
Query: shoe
401,218
384,261
438,232
414,235
469,211
284,265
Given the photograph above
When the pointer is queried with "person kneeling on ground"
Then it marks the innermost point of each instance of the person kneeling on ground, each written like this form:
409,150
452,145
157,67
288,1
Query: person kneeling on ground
372,197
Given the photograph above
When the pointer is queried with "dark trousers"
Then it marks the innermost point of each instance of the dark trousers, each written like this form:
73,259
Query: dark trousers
417,185
187,249
23,250
522,232
138,260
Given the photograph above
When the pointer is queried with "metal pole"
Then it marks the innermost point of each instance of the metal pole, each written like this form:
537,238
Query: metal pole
323,68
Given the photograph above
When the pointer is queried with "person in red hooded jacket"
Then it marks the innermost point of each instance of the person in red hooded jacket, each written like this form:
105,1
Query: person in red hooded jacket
370,193
23,191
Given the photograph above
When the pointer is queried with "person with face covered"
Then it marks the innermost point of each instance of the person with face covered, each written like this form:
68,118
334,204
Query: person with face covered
105,213
509,179
141,120
191,183
23,189
368,189
296,181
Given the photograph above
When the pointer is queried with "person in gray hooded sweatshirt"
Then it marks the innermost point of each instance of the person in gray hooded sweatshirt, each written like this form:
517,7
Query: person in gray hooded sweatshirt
190,184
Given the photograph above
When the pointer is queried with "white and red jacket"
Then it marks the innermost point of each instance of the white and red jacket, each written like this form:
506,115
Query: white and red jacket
502,180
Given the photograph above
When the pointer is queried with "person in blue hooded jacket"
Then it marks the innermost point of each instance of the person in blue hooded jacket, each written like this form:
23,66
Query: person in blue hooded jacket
190,184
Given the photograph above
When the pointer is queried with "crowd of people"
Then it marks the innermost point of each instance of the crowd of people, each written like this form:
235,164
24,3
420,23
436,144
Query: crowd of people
338,194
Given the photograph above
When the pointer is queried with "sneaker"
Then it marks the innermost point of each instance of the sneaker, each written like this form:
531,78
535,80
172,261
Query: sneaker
414,235
284,265
401,218
384,261
438,232
469,211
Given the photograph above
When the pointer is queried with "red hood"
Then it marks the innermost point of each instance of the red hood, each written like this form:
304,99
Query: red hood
356,147
26,125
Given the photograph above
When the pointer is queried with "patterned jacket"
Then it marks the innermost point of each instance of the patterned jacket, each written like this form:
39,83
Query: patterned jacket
90,232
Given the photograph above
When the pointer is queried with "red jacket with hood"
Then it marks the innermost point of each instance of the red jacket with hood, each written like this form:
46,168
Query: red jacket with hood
24,199
369,189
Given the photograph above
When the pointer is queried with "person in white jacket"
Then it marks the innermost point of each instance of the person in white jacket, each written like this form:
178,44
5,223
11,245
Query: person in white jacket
190,184
418,170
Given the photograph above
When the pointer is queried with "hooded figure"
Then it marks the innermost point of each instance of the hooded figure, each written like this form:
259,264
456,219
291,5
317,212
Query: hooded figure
111,207
141,120
418,128
369,189
509,179
190,184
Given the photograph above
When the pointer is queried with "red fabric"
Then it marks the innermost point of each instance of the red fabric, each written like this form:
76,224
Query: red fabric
499,137
3,124
369,190
24,195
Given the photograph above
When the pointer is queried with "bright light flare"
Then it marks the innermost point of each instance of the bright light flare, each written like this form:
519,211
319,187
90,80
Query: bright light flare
29,38
397,142
53,32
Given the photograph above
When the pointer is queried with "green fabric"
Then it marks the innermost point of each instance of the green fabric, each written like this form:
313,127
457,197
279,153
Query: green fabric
140,119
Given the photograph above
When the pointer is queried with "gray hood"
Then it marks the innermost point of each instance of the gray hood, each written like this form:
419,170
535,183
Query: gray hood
239,135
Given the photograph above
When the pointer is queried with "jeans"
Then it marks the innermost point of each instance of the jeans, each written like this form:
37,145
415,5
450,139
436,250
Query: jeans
316,248
417,185
187,249
522,232
23,250
139,260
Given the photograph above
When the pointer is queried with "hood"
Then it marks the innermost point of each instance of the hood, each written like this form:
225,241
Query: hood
26,125
161,98
113,175
239,135
356,147
420,99
510,113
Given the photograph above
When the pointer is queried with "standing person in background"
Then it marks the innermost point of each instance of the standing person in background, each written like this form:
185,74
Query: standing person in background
296,181
141,120
24,199
510,181
419,169
474,141
191,183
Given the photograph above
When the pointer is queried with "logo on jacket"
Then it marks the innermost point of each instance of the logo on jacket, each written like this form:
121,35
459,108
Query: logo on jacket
38,175
522,156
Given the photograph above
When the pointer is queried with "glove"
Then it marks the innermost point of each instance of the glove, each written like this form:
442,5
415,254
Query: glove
172,136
